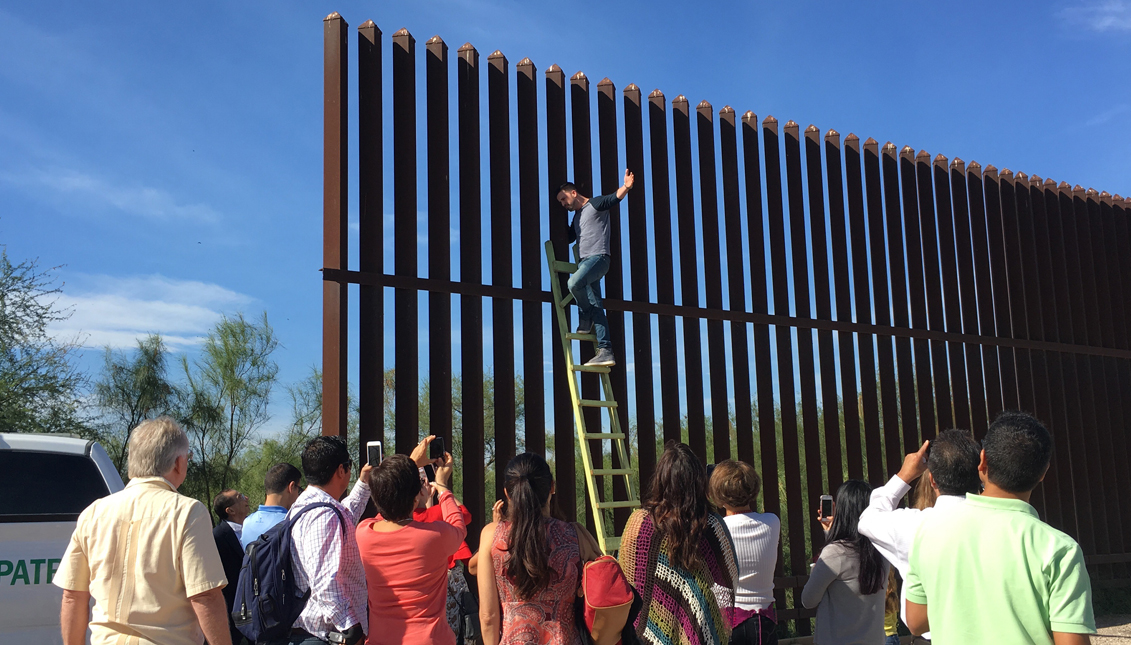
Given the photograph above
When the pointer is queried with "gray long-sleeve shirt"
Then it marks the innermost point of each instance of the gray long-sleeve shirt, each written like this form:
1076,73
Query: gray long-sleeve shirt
591,227
844,617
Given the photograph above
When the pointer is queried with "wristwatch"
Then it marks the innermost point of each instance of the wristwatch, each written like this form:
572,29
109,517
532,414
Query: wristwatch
351,636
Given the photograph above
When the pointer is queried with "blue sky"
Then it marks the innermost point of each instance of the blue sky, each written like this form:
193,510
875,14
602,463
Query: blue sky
168,156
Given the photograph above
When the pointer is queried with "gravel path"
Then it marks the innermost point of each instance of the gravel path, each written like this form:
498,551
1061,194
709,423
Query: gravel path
1114,630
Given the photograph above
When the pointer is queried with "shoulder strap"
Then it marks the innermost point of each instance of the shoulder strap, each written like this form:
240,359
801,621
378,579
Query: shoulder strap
580,557
308,507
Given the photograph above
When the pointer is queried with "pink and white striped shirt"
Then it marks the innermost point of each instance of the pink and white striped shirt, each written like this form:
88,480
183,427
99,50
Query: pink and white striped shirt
329,564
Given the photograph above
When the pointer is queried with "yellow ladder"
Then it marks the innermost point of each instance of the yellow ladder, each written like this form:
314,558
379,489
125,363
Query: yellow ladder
606,536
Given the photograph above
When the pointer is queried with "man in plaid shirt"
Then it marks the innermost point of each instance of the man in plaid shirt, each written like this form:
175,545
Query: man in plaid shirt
324,552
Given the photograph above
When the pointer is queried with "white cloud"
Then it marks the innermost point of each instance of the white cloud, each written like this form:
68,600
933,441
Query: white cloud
83,189
1107,115
115,312
1101,16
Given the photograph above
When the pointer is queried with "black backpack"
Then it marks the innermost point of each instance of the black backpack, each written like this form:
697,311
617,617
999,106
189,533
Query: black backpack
267,602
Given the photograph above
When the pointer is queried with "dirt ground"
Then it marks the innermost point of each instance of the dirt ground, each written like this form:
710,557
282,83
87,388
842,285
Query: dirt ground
1113,630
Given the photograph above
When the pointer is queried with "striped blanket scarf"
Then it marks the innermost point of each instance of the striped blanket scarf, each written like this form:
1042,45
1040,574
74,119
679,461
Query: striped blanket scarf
680,606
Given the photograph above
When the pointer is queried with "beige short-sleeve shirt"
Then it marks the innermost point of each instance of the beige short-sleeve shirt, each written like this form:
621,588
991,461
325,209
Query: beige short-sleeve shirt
142,553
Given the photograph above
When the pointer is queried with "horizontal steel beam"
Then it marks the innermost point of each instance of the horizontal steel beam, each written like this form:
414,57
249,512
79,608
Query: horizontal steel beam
685,311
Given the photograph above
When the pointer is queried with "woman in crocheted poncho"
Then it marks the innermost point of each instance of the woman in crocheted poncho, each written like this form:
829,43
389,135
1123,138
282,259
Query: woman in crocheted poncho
679,556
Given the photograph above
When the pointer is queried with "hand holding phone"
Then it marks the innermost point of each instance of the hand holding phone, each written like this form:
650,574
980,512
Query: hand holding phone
436,448
420,452
826,511
374,453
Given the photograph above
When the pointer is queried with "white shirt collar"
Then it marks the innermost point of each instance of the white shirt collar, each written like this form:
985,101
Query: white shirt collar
946,501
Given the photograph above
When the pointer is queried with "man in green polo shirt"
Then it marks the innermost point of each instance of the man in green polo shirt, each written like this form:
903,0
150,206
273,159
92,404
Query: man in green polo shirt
989,570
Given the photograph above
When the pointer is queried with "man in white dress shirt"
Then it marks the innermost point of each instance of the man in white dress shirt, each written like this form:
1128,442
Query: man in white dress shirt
324,547
952,459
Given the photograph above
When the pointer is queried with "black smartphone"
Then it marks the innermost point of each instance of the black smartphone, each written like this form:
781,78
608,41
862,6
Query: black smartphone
374,453
436,448
430,472
826,505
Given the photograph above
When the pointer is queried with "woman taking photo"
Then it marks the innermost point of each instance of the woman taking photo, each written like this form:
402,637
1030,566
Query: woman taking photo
848,583
406,561
676,537
734,486
529,564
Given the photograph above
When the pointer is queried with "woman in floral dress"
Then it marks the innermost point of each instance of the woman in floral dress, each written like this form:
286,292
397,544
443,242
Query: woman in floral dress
532,574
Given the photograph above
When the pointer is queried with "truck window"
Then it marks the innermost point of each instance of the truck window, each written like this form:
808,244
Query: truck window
47,486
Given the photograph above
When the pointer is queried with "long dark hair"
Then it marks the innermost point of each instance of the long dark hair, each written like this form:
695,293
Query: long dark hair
677,502
528,483
851,499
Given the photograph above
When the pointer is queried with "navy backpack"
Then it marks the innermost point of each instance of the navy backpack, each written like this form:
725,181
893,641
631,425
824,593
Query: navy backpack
267,601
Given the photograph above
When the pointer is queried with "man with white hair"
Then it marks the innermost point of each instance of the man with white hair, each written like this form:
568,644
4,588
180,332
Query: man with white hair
146,556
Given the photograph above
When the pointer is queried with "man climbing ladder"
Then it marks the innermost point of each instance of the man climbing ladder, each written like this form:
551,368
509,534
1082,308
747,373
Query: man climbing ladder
592,230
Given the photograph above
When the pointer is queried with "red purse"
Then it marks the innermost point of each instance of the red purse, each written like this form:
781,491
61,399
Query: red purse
608,600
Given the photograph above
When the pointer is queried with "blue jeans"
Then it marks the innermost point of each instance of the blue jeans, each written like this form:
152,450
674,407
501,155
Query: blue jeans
756,630
586,289
891,640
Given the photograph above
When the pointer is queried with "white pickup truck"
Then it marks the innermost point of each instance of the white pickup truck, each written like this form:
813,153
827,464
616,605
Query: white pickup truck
45,482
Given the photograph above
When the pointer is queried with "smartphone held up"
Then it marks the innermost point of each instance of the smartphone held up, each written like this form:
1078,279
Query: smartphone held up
374,453
826,506
436,448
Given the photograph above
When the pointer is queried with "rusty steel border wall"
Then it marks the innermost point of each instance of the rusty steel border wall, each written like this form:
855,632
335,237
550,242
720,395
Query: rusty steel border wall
1009,291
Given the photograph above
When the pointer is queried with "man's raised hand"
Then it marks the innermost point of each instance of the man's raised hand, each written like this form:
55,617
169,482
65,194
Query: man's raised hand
915,464
629,178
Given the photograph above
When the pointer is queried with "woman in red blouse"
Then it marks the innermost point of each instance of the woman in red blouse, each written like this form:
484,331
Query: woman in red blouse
406,561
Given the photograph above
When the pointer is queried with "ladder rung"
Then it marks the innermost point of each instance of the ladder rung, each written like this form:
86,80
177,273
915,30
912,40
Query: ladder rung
564,267
591,337
568,299
604,435
631,503
599,369
593,403
612,471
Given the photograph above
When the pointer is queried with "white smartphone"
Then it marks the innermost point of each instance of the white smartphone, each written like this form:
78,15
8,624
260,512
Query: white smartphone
374,452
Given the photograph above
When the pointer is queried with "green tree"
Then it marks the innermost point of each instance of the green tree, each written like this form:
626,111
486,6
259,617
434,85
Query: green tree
286,446
40,386
131,390
225,401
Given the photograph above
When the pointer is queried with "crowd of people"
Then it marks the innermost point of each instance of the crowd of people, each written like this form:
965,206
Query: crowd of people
976,563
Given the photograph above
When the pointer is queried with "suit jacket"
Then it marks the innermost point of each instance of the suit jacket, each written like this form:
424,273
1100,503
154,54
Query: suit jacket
231,556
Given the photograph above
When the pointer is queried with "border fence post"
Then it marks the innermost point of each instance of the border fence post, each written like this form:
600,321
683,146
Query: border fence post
335,231
502,272
407,350
885,385
371,239
472,413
